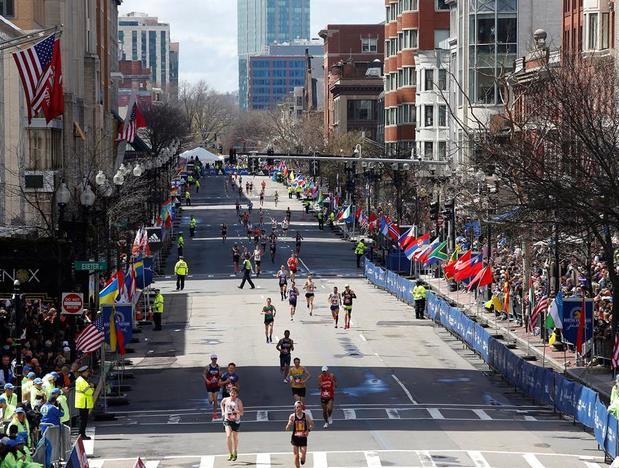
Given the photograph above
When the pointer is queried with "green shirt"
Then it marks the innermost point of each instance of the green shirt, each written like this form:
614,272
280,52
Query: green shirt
268,313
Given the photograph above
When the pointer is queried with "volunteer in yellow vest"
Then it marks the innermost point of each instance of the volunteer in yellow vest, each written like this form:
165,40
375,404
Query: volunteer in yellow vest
187,198
21,422
190,180
289,191
298,190
84,399
158,309
197,186
360,252
23,454
419,295
61,398
180,243
331,219
193,222
9,394
8,411
37,393
181,270
26,386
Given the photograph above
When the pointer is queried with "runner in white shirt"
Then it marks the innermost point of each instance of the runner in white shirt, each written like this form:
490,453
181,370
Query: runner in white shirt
310,288
257,259
335,301
231,411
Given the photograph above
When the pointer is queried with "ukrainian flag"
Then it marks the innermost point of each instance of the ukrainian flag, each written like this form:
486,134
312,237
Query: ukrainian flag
113,341
108,294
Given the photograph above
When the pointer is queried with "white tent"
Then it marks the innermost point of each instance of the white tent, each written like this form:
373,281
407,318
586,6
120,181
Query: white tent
203,155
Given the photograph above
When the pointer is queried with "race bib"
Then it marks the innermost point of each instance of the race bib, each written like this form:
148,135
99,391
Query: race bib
324,393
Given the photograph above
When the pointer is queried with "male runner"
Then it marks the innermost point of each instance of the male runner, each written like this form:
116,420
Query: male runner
224,232
301,424
211,380
269,313
257,259
236,258
298,377
285,346
229,379
288,214
285,223
231,411
335,301
276,198
297,243
273,247
282,278
327,384
310,288
347,296
293,293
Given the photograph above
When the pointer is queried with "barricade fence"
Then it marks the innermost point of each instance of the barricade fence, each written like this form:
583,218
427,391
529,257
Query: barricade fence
543,385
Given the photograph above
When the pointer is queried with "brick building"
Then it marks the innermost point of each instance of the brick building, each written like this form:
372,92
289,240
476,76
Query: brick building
588,25
136,79
351,93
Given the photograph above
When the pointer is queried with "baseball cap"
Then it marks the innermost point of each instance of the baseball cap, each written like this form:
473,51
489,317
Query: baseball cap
31,375
55,391
213,356
347,285
55,375
20,410
38,381
8,386
325,368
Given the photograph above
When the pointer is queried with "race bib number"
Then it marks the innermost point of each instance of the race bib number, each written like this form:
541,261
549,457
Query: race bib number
324,393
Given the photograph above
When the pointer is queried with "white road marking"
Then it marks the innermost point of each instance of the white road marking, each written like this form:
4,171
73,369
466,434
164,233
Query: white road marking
530,418
478,459
482,415
95,463
320,460
363,338
372,459
89,445
152,463
304,265
408,394
435,413
349,413
425,458
592,465
263,460
262,416
532,460
174,419
207,462
392,413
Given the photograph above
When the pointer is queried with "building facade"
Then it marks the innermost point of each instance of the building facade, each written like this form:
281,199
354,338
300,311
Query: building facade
351,95
410,26
262,23
588,25
144,38
175,50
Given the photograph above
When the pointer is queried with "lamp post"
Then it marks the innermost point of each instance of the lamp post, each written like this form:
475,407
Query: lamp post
63,196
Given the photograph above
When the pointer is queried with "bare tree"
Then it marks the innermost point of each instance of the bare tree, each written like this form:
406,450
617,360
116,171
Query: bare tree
166,123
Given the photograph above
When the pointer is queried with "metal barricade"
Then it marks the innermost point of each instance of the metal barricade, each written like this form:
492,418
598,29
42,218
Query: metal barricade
58,438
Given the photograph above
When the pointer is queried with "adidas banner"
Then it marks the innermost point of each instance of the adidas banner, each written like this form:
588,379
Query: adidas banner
155,238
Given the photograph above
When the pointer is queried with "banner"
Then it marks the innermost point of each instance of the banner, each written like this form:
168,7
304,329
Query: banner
572,308
78,458
124,313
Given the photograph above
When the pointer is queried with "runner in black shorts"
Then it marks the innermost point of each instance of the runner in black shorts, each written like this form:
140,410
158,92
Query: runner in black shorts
285,346
282,278
298,377
301,425
269,313
334,304
310,287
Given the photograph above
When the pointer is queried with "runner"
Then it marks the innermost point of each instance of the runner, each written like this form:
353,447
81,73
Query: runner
262,198
297,243
298,377
301,424
263,241
335,302
229,379
261,216
292,266
257,259
224,232
263,185
269,313
250,206
231,411
347,296
288,214
273,247
236,258
276,198
310,288
285,346
238,208
285,227
282,278
293,293
211,380
327,384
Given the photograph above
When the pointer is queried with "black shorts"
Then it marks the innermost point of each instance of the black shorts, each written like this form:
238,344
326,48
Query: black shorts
309,294
292,302
335,308
235,426
258,262
284,360
283,283
299,391
298,441
268,322
325,401
213,388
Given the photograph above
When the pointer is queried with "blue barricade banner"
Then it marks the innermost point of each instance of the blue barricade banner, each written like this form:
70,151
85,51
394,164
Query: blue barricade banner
611,436
572,309
585,408
600,422
124,316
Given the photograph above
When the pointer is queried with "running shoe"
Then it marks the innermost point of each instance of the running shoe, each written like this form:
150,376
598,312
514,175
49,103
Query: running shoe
330,420
326,425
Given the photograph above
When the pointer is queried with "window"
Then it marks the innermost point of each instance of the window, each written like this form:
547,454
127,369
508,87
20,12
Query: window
440,35
164,55
387,48
428,150
409,39
442,115
359,109
408,5
152,54
408,114
441,5
593,31
144,43
442,151
411,76
429,116
369,44
429,80
605,29
442,80
134,45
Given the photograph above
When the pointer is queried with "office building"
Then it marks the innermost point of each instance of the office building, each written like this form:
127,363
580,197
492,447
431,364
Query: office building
262,23
174,59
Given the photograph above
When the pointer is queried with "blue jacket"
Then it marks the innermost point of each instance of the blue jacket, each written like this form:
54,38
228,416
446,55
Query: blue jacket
51,414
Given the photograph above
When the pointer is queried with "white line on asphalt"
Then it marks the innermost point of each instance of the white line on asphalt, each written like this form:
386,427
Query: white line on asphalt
323,286
482,415
363,338
530,418
262,416
349,413
435,413
263,460
152,464
373,460
95,463
425,458
89,445
174,419
478,459
408,394
592,465
309,413
206,462
304,265
392,413
532,460
320,460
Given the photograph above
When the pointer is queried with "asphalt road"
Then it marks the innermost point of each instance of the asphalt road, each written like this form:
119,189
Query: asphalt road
408,393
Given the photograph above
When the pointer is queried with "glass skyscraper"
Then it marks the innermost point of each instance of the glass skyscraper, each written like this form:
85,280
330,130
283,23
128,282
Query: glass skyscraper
264,22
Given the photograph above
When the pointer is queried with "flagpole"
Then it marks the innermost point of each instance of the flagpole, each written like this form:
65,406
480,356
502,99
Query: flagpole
30,37
543,340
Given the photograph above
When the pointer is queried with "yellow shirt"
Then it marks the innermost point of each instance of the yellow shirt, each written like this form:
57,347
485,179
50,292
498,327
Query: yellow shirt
297,376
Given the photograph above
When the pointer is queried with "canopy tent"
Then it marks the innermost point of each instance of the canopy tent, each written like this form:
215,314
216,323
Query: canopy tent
203,155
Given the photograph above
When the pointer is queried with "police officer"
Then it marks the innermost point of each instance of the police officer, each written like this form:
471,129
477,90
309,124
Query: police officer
419,295
193,222
197,185
84,400
181,269
187,197
321,220
247,273
290,192
158,303
360,251
331,219
180,243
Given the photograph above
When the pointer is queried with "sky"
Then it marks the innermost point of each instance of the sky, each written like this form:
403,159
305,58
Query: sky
206,30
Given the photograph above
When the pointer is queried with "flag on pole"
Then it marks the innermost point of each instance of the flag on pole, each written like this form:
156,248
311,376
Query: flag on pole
580,337
469,269
363,220
415,246
344,214
134,121
108,294
120,336
393,231
553,319
615,358
91,338
407,238
463,261
438,253
423,257
451,264
40,71
540,307
372,221
483,278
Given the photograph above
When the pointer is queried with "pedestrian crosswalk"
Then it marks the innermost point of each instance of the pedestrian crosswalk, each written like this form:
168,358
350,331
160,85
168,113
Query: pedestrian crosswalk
371,459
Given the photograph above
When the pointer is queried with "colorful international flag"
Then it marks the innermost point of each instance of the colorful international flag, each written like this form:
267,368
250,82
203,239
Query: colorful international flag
108,294
134,121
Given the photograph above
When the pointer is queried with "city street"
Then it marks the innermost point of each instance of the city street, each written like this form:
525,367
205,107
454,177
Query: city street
408,393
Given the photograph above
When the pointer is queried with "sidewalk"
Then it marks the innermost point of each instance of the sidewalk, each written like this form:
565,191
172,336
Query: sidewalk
599,378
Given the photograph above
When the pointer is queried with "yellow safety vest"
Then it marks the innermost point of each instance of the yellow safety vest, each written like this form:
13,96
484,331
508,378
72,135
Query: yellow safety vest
83,394
187,195
158,304
10,400
360,248
419,293
62,400
181,242
21,427
181,268
8,413
193,223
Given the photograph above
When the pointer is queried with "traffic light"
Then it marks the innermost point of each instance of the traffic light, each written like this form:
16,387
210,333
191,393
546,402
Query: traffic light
434,208
449,209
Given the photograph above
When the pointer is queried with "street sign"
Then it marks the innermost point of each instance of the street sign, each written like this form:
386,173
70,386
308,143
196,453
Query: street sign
72,303
81,265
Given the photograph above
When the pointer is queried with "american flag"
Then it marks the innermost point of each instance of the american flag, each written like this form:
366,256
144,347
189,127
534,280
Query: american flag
132,123
35,72
615,359
91,337
540,307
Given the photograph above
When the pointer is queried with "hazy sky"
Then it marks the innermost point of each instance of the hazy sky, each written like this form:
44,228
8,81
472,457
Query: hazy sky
206,30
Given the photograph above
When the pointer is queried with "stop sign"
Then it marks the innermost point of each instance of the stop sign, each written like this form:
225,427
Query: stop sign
72,303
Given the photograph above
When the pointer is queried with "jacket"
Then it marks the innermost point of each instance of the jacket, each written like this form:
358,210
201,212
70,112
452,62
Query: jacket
360,248
158,304
181,268
83,394
419,292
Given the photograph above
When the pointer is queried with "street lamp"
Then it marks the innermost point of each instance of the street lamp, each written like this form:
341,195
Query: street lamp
119,177
138,170
87,197
100,179
63,195
17,310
